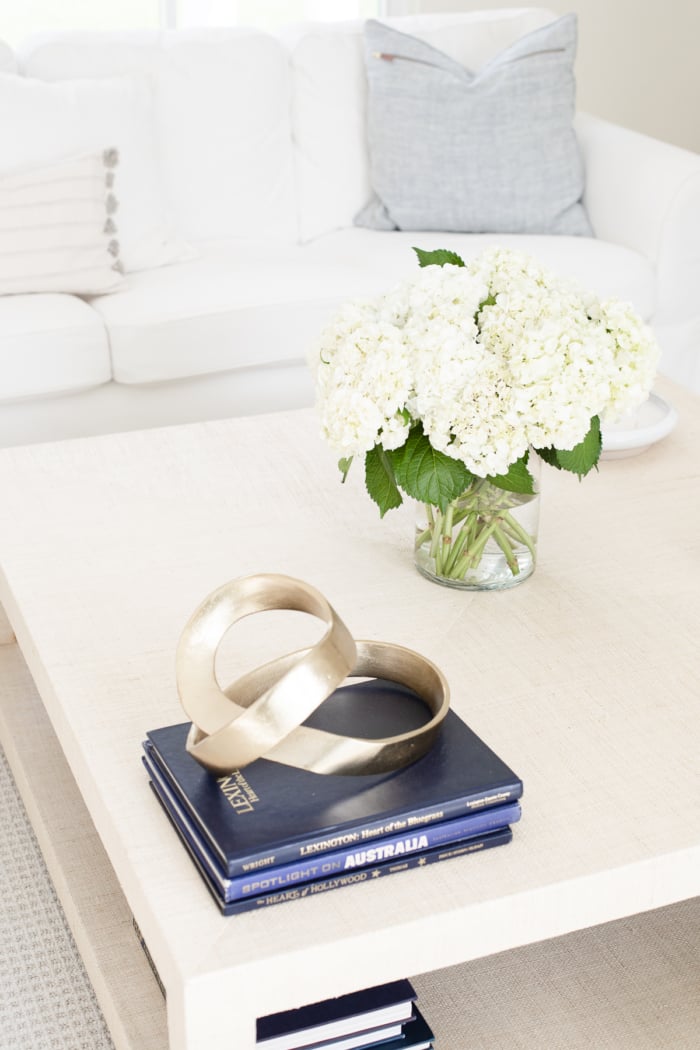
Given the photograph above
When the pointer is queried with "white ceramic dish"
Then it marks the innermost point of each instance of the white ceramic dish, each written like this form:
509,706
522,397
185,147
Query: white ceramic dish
648,424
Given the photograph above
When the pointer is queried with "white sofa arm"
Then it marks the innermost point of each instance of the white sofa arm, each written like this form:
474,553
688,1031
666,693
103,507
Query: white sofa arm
645,194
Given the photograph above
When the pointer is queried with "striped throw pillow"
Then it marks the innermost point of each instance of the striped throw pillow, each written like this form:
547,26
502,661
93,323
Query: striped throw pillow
58,228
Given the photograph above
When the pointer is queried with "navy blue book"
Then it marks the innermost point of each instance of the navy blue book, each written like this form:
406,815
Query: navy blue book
412,1035
475,844
416,1036
443,833
270,814
333,1019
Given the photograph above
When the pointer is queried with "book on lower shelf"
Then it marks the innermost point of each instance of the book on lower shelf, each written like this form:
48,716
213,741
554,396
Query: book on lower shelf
272,833
385,1016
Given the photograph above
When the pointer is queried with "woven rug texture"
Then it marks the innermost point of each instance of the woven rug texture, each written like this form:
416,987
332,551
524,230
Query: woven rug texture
46,999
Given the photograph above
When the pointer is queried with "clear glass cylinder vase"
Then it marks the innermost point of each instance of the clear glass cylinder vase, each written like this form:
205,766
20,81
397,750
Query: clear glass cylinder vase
486,539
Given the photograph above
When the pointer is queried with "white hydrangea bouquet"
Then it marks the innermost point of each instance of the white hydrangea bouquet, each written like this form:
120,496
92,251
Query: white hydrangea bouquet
455,384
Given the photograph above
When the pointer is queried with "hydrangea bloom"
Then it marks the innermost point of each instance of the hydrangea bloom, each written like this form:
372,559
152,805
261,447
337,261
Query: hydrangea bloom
492,358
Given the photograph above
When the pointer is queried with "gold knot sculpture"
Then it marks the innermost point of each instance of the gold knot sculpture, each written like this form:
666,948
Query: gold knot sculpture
262,713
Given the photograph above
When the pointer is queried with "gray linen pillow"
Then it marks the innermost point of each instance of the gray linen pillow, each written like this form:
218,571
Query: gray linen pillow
491,152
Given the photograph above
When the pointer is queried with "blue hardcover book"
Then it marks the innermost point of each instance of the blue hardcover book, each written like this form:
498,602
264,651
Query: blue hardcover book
412,1035
270,814
415,1036
374,851
476,844
343,1017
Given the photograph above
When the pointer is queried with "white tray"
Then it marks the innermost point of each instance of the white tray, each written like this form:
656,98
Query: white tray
649,423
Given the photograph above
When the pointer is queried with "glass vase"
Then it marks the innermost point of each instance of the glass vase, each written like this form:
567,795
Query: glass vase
486,539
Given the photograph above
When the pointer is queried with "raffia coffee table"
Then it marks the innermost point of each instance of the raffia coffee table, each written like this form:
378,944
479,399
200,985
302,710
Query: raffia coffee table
585,680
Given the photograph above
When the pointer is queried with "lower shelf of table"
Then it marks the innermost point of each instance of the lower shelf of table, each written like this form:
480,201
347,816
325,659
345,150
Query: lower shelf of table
633,984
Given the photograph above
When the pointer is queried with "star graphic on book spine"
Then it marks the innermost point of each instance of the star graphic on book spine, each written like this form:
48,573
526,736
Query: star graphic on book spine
422,861
376,873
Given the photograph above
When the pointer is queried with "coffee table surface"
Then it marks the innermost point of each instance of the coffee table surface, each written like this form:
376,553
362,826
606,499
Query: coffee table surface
584,679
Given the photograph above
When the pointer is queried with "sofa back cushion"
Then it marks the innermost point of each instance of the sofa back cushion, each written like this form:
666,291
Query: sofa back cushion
329,99
222,127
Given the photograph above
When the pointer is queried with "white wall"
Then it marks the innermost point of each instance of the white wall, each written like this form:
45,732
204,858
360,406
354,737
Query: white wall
638,60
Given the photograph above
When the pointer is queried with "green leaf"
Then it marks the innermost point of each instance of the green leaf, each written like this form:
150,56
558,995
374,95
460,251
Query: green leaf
428,475
344,467
583,457
549,455
490,300
439,257
516,479
380,481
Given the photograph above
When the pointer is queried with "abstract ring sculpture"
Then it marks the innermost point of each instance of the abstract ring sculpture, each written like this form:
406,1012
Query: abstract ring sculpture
261,714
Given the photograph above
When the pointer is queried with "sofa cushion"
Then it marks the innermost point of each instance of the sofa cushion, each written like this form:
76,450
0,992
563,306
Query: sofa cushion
222,107
329,100
489,152
240,305
55,225
45,123
50,344
378,260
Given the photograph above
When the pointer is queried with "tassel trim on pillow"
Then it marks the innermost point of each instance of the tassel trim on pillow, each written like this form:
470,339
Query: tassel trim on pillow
110,158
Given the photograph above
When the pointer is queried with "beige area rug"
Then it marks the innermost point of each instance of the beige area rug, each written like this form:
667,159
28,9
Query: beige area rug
46,999
633,984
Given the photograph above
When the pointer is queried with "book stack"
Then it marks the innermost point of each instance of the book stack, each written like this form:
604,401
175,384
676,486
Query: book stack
385,1016
272,833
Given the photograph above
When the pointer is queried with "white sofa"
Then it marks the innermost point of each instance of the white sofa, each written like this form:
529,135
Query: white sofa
261,155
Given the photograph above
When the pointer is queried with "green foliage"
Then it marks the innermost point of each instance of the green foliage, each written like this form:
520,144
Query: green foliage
440,257
429,476
490,300
582,457
549,456
426,474
380,480
517,478
344,467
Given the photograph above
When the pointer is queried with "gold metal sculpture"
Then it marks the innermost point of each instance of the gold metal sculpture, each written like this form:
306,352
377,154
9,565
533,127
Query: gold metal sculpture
261,714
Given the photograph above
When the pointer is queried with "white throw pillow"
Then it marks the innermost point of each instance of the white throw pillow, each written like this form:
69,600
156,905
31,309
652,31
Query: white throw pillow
43,123
56,230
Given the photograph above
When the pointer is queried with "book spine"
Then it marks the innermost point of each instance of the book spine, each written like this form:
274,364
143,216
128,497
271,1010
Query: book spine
371,853
352,878
457,849
406,821
285,876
